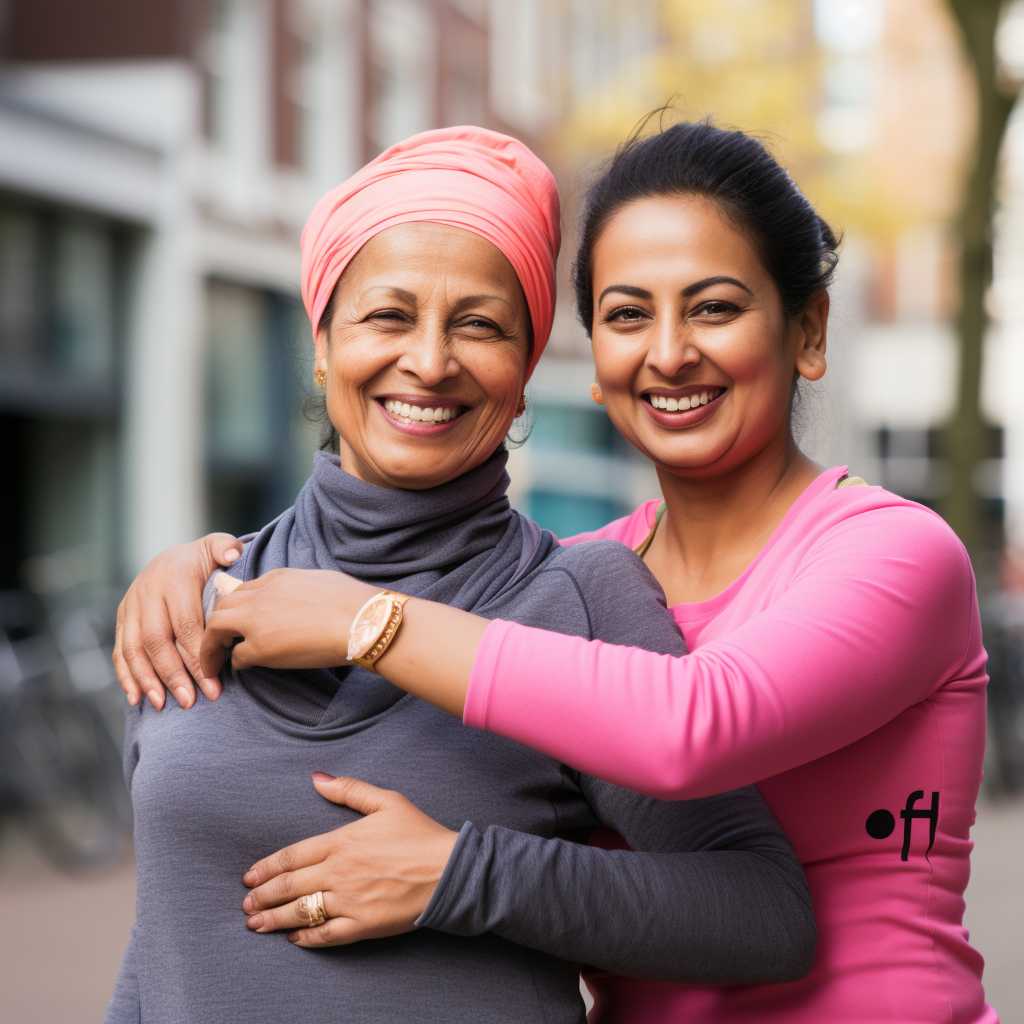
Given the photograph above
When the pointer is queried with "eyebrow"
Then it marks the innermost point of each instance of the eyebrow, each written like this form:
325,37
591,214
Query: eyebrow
690,290
410,297
699,286
626,289
472,300
400,293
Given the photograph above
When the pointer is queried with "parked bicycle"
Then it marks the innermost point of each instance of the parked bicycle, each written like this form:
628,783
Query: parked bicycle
61,717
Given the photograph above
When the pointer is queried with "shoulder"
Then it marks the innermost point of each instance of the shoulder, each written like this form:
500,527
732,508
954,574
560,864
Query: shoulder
624,602
629,530
900,549
871,521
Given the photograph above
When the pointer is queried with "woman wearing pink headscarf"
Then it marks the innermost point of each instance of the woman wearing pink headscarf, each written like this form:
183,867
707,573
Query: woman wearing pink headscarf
429,280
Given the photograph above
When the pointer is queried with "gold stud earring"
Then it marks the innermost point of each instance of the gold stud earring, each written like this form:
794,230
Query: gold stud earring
320,377
595,394
521,408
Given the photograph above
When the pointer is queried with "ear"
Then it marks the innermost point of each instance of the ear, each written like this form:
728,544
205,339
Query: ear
812,330
595,393
321,344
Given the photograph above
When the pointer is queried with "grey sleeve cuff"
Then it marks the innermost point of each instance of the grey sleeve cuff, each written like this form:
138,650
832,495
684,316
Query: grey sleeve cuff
457,904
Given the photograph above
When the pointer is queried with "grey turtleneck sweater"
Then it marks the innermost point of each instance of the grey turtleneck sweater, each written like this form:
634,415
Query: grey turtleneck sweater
714,894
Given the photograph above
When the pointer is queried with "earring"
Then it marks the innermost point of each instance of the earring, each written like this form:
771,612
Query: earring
521,408
595,394
320,377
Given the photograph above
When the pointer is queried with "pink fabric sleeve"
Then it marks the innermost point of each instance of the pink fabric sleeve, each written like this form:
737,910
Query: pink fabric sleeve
876,616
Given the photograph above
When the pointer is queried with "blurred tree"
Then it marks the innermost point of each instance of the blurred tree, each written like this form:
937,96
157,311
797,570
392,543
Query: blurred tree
965,435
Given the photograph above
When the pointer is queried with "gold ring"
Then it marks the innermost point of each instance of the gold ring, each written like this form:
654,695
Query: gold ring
312,907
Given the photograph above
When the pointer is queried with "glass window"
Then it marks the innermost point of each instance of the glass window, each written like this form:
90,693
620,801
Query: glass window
19,257
568,514
259,370
403,48
239,418
83,294
572,427
57,292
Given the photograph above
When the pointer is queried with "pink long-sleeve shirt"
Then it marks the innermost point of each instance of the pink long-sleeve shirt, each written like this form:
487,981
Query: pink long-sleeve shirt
844,673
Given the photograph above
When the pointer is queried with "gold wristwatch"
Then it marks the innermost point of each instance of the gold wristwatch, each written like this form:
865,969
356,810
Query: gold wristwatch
374,627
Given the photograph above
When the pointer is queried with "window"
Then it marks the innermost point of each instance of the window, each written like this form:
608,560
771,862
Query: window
59,300
258,445
403,68
579,469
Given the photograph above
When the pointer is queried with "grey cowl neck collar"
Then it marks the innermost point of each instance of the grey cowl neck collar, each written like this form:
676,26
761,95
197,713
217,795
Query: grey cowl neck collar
386,536
460,544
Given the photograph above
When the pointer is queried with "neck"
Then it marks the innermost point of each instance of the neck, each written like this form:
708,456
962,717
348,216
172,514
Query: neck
715,526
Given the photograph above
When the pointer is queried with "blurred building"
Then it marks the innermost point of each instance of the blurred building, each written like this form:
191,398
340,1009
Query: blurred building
157,162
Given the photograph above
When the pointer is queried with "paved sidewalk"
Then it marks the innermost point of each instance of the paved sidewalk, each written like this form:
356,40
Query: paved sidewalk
995,904
62,939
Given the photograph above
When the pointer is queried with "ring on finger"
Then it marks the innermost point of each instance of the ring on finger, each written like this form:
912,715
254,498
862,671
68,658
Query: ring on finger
312,908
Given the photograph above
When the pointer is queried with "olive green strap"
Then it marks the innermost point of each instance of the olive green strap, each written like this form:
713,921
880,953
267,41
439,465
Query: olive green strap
851,481
641,548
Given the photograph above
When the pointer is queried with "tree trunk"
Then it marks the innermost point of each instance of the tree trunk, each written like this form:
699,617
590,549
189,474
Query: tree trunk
965,436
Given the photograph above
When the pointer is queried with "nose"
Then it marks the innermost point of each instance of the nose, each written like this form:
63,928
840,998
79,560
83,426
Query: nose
671,350
428,355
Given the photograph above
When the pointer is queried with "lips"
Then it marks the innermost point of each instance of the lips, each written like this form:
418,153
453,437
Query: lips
422,411
421,415
682,407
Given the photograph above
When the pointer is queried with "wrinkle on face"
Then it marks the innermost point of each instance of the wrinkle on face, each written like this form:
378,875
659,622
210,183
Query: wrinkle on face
431,310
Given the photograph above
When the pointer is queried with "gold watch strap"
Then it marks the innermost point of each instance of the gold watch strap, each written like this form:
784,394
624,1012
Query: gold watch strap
370,658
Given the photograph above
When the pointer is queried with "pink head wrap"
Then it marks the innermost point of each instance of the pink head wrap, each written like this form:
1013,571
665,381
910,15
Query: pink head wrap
468,178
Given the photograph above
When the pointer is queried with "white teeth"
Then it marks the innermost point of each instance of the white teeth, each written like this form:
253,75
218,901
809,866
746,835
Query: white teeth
683,403
417,414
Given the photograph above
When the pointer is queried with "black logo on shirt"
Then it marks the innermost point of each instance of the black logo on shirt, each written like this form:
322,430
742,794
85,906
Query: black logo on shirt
881,823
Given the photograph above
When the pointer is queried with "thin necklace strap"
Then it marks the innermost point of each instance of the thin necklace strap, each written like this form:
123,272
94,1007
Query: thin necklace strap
641,548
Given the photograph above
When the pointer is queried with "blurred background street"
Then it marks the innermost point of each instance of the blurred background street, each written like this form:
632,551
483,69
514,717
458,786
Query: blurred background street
157,163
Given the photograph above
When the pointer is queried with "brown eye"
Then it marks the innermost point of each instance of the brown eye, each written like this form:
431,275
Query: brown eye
716,307
626,314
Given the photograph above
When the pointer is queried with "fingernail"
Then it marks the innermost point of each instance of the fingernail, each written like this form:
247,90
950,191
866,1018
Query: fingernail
323,777
250,878
293,938
133,700
232,556
247,904
254,922
181,695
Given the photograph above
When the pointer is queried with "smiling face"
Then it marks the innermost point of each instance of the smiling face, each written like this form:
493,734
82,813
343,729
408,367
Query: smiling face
425,355
695,356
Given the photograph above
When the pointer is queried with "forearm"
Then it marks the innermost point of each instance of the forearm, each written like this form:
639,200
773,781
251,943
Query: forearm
711,918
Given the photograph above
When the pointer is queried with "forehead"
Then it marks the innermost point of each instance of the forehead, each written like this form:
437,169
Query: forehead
670,237
430,253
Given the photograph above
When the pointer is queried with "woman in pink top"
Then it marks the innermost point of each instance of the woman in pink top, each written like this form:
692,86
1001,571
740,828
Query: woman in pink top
836,655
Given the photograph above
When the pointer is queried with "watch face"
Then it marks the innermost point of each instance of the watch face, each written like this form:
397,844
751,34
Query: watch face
368,625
